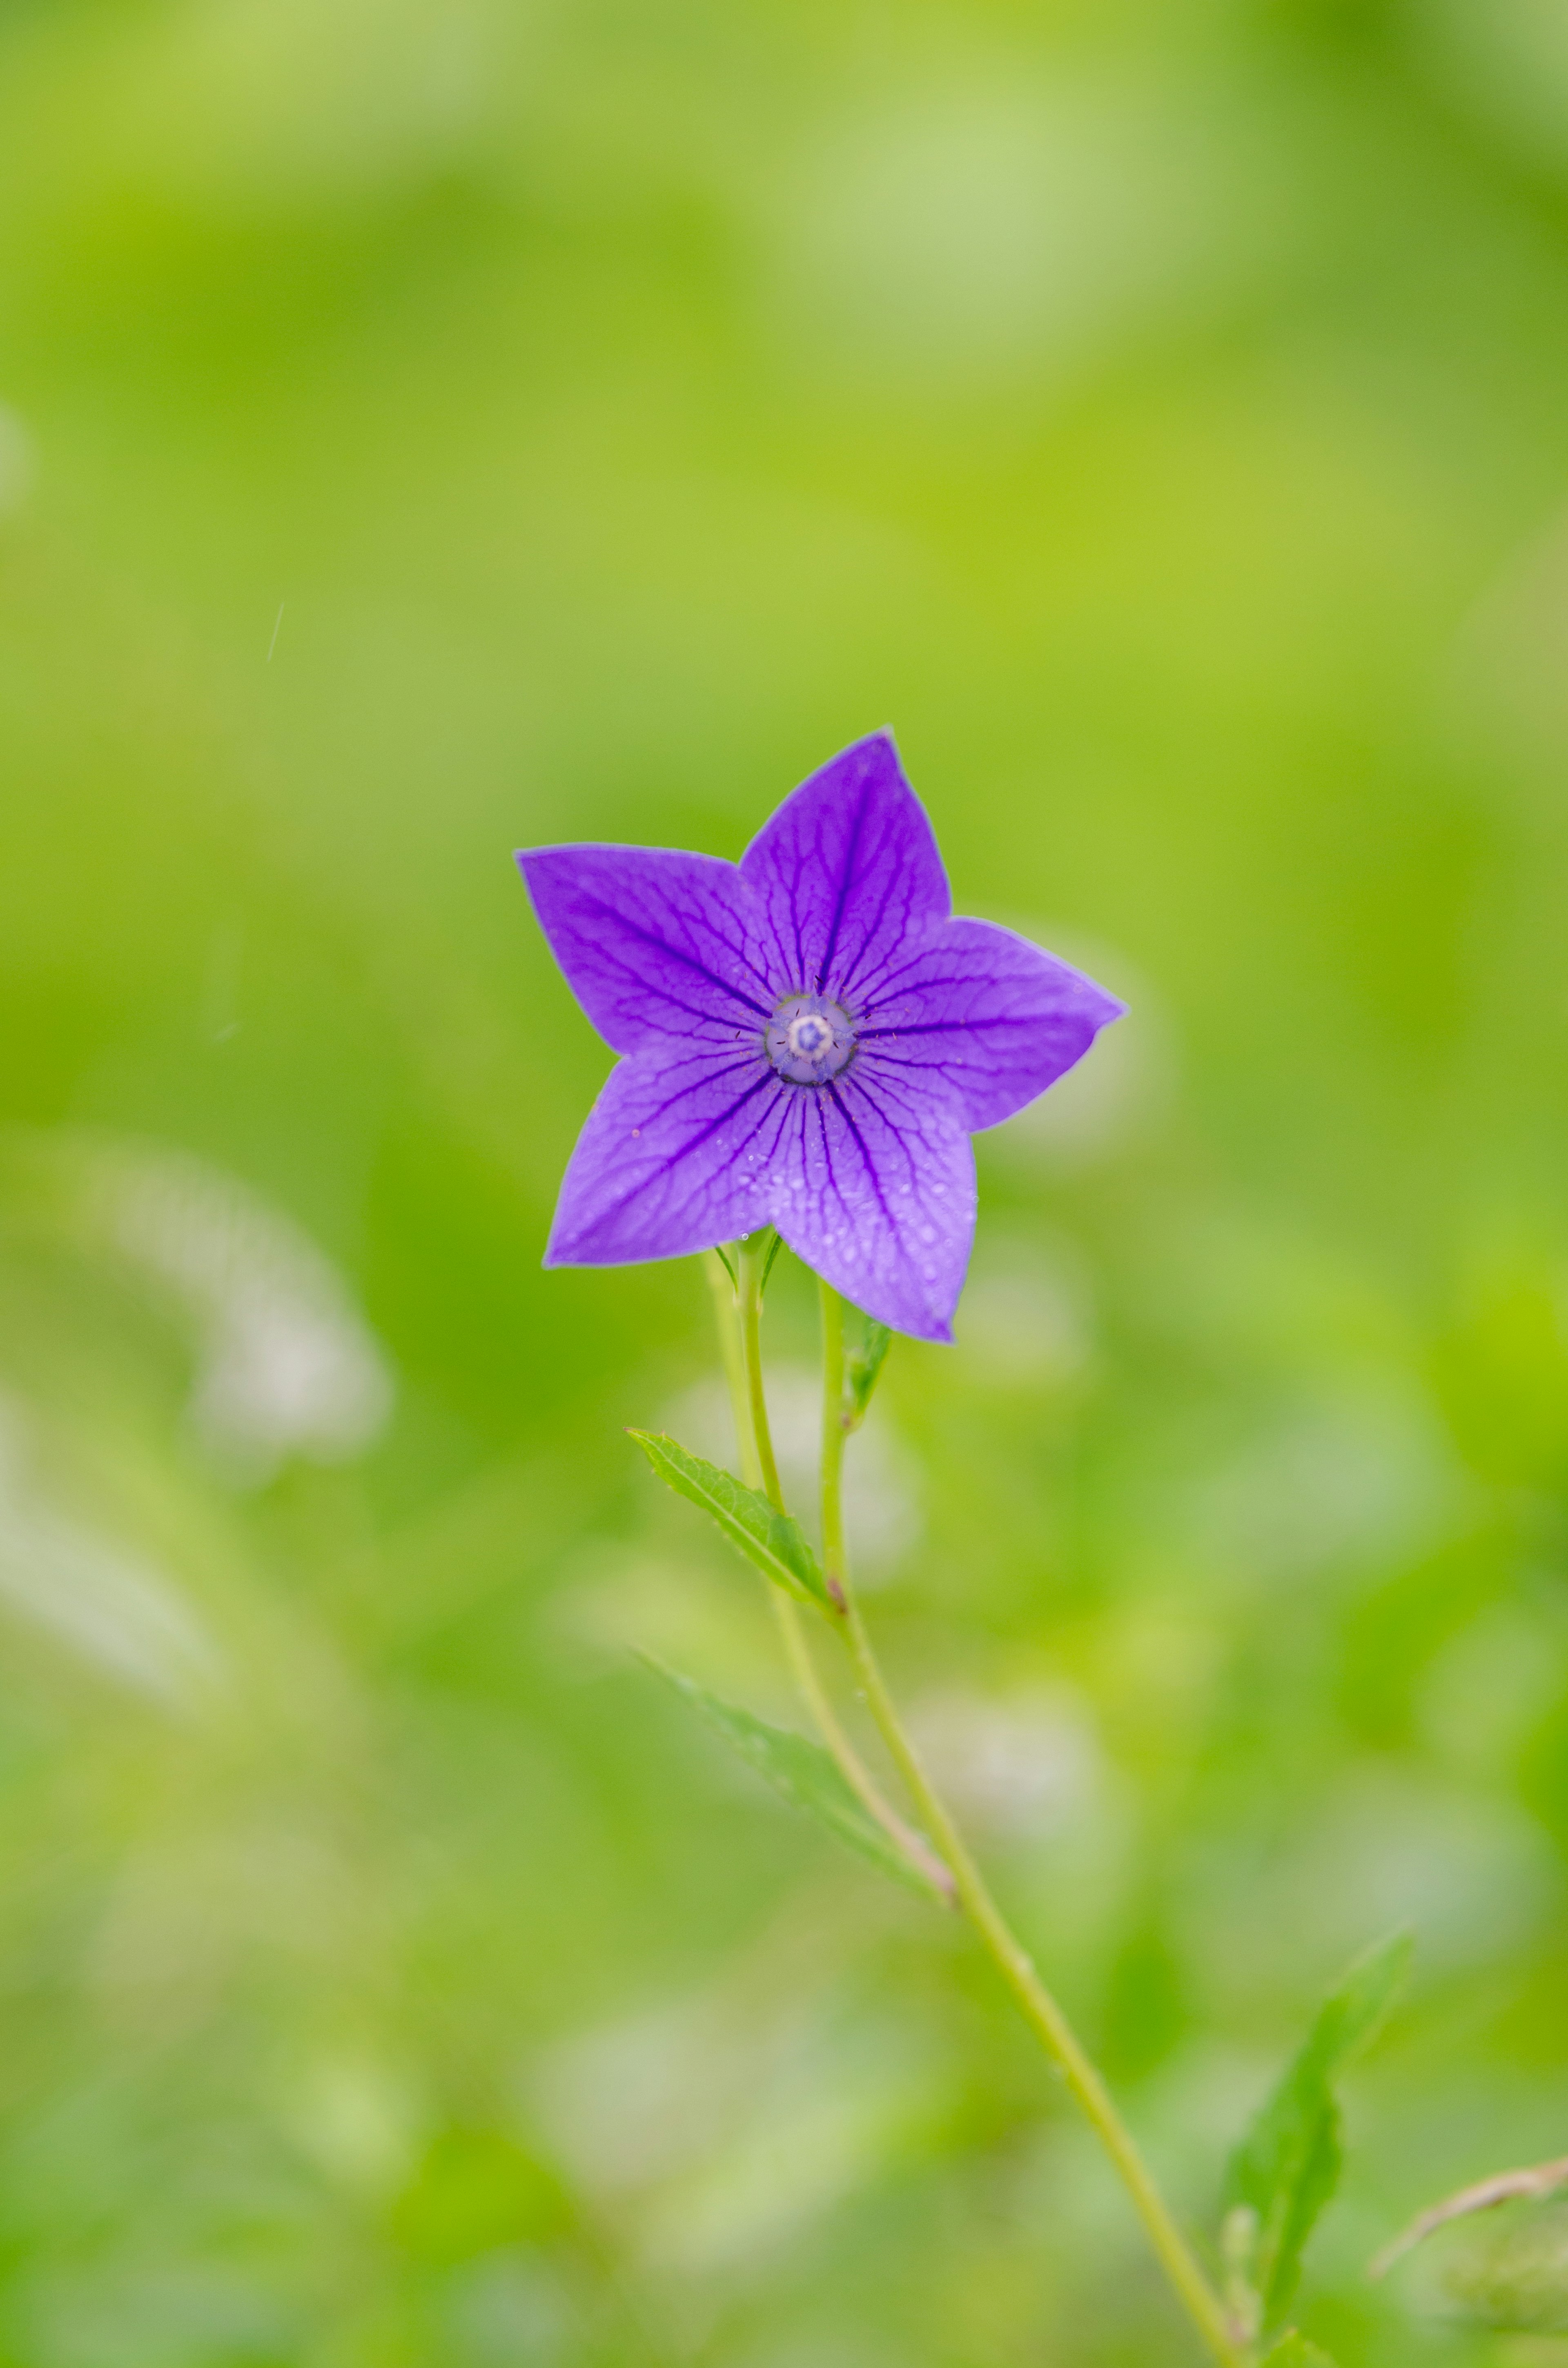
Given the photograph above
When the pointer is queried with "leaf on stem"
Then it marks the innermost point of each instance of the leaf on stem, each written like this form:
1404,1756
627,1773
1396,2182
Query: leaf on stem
774,1247
1288,2166
863,1364
801,1771
771,1541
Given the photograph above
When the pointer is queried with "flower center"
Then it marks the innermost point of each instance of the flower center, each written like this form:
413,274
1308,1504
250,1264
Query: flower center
809,1040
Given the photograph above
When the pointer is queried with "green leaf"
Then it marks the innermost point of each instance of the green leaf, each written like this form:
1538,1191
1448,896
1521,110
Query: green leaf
863,1366
801,1771
1288,2166
773,1249
770,1539
1293,2351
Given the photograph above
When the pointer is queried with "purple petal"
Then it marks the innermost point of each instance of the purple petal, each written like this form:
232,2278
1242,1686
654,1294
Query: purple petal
671,1159
654,944
983,1012
876,1192
844,870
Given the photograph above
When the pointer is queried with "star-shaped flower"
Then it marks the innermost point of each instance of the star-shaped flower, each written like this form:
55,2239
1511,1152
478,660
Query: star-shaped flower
808,1039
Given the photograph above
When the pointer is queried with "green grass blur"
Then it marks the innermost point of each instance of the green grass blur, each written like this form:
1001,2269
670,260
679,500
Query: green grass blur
433,425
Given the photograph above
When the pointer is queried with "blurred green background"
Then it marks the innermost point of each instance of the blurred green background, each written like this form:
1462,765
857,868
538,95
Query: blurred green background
433,425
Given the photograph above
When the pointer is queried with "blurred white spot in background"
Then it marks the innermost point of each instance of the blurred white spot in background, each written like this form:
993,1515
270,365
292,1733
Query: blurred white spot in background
1026,1313
631,2101
111,1606
1473,1876
1488,1688
17,463
357,2119
120,2313
1505,61
1509,681
1121,1088
1000,223
510,2307
693,1611
881,1508
294,100
286,1363
822,2128
1363,1479
1024,1763
721,2124
232,1885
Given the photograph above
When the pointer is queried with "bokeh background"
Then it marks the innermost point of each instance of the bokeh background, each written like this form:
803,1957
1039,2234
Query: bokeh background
432,425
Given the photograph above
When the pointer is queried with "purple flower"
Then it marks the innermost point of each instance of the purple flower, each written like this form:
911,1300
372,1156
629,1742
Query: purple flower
808,1039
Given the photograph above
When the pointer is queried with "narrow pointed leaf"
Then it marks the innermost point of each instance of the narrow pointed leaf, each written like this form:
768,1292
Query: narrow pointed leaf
771,1541
1288,2166
863,1365
801,1772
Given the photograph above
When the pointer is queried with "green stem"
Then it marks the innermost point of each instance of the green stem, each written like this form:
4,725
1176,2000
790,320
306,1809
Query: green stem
730,1350
750,1254
741,1349
1039,2009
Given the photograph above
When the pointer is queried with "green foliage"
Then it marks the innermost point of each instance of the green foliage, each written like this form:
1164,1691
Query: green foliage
1154,412
864,1358
801,1772
1288,2166
772,1541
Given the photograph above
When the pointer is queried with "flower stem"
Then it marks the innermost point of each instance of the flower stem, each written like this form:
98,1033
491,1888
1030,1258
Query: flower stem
753,1437
750,1255
1039,2009
741,1350
729,1350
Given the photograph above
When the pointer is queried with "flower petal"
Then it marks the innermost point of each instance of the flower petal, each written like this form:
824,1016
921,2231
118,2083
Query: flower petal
844,870
654,944
877,1193
994,1018
671,1160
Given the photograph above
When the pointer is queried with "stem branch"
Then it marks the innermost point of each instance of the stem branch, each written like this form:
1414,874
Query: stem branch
741,1346
1039,2009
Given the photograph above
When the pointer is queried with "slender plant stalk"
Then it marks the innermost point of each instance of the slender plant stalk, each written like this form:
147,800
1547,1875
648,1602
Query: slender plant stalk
1039,2009
740,1345
722,1284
